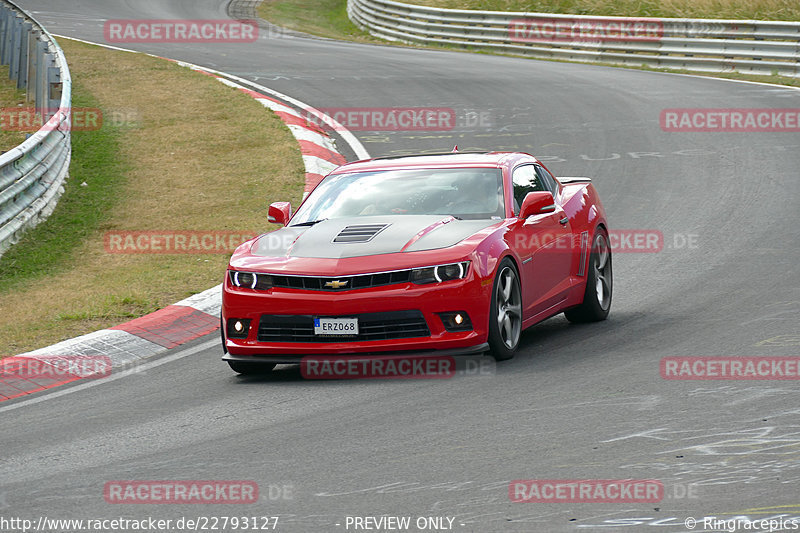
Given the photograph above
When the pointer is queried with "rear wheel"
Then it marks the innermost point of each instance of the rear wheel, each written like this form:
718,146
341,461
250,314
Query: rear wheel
245,368
505,314
599,283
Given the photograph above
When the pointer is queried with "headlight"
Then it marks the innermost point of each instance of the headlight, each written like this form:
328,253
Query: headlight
250,280
439,273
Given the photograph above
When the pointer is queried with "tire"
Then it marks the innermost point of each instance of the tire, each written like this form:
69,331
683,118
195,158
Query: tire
599,284
505,312
249,369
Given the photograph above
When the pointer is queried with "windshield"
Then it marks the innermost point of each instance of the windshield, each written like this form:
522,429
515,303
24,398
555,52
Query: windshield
467,193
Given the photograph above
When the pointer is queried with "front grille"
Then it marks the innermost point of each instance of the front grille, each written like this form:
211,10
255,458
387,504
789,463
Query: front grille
364,281
360,232
371,327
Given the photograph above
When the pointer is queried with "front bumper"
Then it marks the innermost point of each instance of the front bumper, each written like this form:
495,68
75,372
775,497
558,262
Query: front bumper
297,359
470,295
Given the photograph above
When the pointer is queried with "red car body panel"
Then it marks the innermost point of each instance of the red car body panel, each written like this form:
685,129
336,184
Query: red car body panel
550,256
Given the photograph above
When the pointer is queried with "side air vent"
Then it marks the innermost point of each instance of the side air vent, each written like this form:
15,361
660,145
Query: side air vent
360,232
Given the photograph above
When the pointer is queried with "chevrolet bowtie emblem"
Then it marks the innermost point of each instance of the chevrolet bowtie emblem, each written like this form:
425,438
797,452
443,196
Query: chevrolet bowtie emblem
336,284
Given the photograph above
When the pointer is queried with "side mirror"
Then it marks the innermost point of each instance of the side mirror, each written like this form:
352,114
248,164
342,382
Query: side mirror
537,202
280,213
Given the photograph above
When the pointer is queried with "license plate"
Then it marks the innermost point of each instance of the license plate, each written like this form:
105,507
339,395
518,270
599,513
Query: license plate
336,326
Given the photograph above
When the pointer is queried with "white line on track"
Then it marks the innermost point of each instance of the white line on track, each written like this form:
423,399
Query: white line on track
712,77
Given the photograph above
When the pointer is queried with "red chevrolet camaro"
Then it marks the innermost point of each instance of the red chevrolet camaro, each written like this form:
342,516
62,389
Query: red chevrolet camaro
436,254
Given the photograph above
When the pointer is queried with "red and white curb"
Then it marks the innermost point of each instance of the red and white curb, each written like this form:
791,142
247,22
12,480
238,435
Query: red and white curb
122,346
126,344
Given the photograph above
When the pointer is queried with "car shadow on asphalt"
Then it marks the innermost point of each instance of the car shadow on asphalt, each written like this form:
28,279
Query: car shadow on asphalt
552,342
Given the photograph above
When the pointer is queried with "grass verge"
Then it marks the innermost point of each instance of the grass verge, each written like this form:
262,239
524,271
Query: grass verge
48,249
177,151
300,15
324,18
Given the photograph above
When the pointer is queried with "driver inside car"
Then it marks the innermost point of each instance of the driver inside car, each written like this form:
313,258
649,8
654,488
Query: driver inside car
474,194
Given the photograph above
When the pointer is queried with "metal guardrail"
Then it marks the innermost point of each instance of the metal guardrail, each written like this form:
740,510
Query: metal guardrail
32,174
758,47
243,9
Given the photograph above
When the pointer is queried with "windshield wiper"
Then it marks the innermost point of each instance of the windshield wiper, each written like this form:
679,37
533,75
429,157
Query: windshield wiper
309,223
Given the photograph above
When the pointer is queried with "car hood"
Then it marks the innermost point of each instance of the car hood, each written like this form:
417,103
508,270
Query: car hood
363,236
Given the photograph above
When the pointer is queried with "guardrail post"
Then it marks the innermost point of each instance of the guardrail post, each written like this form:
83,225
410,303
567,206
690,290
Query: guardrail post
8,38
31,70
22,59
39,93
16,42
4,16
54,89
47,61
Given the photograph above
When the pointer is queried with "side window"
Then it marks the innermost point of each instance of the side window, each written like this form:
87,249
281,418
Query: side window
525,180
547,180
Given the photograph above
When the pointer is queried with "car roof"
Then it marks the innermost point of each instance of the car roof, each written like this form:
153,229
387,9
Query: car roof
439,160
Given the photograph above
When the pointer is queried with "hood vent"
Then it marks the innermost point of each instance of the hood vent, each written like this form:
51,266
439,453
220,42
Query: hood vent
360,233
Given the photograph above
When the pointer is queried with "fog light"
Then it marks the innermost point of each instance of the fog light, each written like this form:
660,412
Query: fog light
238,328
456,321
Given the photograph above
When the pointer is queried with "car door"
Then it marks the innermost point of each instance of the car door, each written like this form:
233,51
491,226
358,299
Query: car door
543,243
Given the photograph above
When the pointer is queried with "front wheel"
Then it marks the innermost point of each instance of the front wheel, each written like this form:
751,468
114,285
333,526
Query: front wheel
505,314
599,283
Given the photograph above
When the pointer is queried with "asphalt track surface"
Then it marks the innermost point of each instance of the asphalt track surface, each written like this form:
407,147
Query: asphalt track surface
577,402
